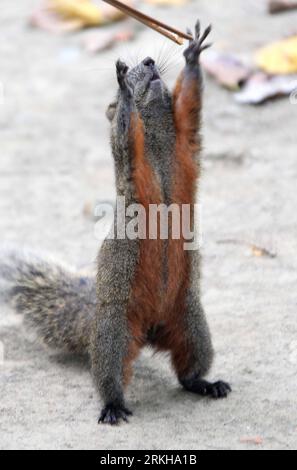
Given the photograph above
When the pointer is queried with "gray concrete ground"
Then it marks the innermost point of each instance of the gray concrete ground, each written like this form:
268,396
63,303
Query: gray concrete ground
55,164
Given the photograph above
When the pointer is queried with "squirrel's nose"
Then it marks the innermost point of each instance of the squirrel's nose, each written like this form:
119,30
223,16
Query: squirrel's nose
148,62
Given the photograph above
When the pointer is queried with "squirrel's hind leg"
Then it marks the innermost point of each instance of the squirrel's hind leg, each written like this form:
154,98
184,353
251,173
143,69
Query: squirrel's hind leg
112,348
113,372
193,357
191,350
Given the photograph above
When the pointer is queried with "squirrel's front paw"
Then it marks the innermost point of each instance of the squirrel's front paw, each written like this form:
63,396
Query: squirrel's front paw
113,414
122,70
197,44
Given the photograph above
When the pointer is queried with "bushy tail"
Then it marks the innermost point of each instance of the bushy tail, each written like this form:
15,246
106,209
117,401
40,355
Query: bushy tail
59,302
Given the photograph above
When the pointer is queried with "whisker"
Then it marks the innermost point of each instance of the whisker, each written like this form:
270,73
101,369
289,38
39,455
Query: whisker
169,54
168,59
161,50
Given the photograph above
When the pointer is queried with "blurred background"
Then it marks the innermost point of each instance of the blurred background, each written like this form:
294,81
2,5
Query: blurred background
57,77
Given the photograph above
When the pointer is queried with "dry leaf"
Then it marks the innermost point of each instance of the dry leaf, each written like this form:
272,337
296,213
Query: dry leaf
49,21
261,87
83,10
277,6
252,440
86,11
278,78
279,58
226,69
103,40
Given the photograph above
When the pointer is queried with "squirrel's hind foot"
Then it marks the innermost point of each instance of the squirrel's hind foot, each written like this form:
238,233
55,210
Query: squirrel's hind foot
215,390
113,414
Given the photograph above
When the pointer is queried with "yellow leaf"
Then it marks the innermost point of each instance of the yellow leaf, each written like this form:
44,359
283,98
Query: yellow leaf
86,11
279,58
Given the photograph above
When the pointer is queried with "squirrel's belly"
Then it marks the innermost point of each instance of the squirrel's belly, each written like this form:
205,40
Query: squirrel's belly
159,282
161,271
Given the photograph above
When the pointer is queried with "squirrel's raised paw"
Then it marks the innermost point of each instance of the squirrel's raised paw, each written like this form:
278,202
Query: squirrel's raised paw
197,44
113,414
122,70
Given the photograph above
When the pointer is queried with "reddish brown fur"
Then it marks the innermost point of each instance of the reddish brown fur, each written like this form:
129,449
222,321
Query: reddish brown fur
153,303
186,112
145,300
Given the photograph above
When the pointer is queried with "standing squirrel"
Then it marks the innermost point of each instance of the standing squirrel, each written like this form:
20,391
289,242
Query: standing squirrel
147,291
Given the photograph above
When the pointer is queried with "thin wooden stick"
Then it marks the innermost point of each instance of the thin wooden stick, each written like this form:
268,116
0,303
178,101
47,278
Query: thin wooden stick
157,25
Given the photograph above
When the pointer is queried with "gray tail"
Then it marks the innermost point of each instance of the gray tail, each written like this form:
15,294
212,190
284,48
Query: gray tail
59,302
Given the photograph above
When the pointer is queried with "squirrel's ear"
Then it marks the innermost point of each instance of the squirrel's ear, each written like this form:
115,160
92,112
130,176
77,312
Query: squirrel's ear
110,112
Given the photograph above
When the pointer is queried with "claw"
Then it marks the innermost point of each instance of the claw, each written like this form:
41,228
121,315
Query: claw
112,414
207,46
219,389
205,35
197,30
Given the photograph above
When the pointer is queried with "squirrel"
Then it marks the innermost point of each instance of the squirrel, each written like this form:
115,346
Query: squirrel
147,292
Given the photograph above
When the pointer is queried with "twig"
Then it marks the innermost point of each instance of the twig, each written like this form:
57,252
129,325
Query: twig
157,25
256,249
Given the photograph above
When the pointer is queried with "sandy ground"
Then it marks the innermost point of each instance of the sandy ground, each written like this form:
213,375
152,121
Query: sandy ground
55,164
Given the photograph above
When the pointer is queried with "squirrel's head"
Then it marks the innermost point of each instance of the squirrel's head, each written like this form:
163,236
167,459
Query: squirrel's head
146,82
148,87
